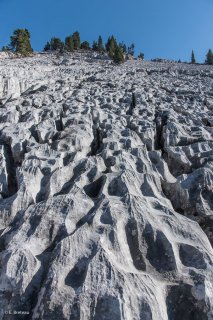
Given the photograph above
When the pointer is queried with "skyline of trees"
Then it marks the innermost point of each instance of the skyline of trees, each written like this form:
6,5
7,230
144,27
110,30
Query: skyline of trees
119,52
116,52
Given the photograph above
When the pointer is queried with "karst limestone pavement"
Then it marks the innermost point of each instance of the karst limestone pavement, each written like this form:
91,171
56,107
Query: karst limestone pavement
106,183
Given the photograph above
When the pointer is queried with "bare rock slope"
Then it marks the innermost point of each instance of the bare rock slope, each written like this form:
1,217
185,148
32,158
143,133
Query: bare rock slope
106,184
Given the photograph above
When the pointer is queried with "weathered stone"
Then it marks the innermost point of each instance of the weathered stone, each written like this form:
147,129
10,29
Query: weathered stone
106,181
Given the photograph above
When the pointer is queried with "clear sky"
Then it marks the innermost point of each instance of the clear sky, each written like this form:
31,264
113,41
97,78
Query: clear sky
159,28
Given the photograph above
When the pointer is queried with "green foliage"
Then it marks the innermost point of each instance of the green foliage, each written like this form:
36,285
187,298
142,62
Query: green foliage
56,44
69,44
85,45
118,55
20,42
131,49
5,49
111,46
111,52
76,40
100,45
193,57
123,47
114,50
141,56
209,57
47,46
95,46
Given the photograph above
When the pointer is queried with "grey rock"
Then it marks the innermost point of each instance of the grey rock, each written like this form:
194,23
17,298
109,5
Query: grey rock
106,179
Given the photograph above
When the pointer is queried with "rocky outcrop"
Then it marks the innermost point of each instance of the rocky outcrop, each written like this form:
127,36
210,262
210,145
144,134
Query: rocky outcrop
106,176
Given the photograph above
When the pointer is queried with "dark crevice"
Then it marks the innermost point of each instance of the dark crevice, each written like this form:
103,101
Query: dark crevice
44,186
172,196
96,144
206,122
132,237
33,289
68,158
160,121
38,281
12,183
132,105
59,124
77,275
88,218
206,223
34,133
181,304
93,189
69,184
109,306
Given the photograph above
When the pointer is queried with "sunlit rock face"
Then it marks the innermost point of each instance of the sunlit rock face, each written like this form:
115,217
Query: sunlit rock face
106,189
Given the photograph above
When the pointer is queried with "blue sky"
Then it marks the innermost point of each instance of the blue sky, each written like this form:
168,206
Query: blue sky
166,28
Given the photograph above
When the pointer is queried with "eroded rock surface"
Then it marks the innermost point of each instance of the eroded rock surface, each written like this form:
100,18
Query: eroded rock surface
106,184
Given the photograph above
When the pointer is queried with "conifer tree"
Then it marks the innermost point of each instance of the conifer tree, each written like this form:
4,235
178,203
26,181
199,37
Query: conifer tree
47,46
69,44
85,45
209,57
76,40
193,61
95,46
111,46
107,44
141,56
118,55
100,46
110,43
56,44
111,51
20,42
5,49
131,49
123,47
114,50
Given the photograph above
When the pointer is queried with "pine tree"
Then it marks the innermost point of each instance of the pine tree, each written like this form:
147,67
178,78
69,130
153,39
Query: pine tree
69,44
107,44
47,46
95,46
111,52
85,45
141,56
118,55
131,49
56,44
5,49
100,46
76,40
193,61
123,47
111,46
20,42
209,57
